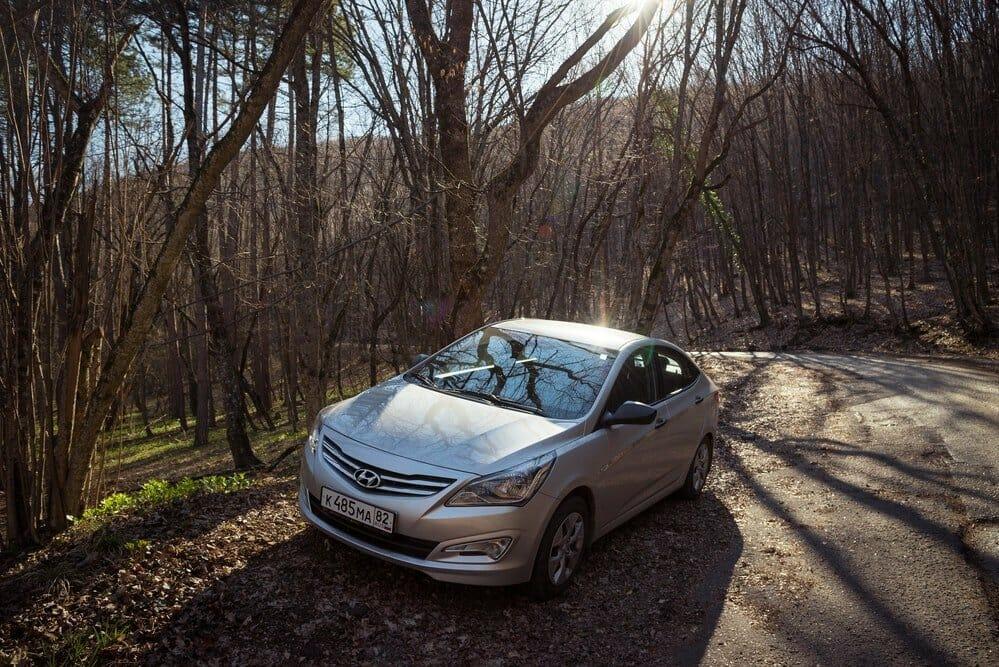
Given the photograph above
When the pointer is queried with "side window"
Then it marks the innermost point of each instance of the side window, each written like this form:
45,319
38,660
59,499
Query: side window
674,370
636,381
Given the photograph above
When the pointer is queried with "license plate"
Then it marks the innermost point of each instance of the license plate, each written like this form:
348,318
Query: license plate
358,510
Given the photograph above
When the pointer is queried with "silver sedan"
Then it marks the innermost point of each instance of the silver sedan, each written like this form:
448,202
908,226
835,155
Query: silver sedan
502,457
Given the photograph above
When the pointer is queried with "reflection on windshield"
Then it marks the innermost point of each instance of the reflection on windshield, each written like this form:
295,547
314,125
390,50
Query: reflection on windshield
556,378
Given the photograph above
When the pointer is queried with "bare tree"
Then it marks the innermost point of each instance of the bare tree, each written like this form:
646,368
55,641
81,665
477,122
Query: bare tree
473,268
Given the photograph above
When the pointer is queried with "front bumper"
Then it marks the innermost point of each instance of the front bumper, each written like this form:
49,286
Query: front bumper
428,525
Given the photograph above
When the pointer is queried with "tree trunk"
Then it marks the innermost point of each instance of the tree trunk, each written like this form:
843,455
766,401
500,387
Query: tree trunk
222,339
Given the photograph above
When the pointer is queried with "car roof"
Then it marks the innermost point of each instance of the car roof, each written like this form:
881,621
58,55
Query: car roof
612,339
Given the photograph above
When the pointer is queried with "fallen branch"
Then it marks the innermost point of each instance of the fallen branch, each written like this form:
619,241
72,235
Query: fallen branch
283,455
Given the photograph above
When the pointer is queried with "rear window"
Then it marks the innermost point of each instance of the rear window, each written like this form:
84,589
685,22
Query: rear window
676,372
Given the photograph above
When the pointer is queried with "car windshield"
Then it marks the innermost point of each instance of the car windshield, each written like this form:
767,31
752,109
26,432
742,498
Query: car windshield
555,378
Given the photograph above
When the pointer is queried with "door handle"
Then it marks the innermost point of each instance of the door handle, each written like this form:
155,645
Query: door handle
661,422
698,400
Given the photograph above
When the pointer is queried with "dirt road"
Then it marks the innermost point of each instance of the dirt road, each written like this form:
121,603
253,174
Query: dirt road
867,511
849,519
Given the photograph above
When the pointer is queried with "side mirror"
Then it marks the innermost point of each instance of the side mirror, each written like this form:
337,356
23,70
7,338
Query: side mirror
419,359
632,412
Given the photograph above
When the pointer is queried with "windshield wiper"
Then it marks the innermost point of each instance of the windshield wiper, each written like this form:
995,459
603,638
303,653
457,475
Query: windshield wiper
503,402
422,379
486,396
516,405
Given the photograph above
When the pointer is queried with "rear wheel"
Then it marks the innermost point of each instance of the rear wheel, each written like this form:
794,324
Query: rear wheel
697,475
562,549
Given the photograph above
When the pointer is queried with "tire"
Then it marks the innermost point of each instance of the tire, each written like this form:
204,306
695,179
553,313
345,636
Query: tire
550,582
697,474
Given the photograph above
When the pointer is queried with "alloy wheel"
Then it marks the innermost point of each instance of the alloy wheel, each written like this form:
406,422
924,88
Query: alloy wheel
701,462
567,548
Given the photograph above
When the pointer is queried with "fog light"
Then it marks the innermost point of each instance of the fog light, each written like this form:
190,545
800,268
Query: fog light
494,548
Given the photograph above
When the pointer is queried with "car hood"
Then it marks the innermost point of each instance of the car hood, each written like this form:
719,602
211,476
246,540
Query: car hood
419,423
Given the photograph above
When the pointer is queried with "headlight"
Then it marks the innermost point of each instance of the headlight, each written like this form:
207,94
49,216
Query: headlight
513,486
317,429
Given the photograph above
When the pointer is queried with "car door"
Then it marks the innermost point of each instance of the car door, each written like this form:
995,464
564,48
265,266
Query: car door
628,471
679,392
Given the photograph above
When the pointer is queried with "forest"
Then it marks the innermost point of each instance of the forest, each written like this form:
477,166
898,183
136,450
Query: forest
218,216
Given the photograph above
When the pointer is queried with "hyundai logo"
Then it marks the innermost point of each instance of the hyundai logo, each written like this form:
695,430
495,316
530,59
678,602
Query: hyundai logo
369,479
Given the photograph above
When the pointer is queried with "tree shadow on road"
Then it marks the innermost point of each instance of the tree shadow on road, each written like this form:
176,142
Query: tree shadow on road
943,479
932,385
837,556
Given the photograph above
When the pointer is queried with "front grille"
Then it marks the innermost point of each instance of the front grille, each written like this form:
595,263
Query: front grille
409,546
393,483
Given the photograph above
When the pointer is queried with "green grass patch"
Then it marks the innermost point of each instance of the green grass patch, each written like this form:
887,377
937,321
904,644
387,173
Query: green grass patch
106,540
159,491
172,444
132,454
137,546
84,646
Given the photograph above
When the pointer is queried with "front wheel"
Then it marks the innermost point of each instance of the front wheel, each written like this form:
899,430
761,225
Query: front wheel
562,549
697,475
